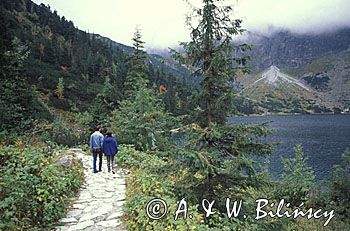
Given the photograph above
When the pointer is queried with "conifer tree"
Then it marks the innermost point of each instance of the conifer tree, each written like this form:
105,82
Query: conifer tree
297,178
139,54
141,119
18,104
137,77
209,55
218,155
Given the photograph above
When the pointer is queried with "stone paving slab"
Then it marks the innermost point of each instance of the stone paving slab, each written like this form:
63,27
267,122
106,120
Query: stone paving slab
99,205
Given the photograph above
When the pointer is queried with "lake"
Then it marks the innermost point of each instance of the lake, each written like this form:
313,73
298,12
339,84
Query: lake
324,138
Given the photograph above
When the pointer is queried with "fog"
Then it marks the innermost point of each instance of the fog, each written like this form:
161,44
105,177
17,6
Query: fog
162,22
300,16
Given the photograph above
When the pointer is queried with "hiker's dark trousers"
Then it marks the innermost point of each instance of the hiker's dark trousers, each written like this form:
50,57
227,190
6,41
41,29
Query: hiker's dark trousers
110,163
95,155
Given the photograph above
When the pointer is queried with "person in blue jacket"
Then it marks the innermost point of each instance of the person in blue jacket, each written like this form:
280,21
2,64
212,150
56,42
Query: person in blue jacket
96,143
110,148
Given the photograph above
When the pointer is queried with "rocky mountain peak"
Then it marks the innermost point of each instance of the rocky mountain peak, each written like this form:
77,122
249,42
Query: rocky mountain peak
273,76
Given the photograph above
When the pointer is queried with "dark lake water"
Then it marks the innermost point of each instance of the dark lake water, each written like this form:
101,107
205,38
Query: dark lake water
324,138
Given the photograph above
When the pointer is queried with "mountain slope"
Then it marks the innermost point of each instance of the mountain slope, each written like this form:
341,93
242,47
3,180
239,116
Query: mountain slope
273,91
274,76
321,61
330,76
289,50
71,70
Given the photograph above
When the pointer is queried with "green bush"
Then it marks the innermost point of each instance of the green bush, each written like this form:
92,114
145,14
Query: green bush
34,189
338,188
150,178
63,133
143,122
297,178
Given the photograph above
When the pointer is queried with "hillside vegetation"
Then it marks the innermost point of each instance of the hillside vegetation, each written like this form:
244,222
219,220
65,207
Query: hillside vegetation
58,82
56,67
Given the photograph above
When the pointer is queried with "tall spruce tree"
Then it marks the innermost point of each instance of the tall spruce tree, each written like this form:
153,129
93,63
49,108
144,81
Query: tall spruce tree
19,106
218,155
141,119
209,55
137,77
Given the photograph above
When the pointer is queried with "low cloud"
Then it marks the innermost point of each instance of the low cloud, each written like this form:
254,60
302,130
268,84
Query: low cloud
163,22
300,16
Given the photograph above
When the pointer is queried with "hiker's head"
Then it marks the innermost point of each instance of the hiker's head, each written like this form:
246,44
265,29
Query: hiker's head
98,128
109,133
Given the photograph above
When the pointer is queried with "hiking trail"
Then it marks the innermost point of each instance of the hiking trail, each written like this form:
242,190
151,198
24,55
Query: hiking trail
99,203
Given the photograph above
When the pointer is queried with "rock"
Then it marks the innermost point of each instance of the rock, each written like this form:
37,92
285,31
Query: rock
103,195
89,209
120,203
115,215
74,213
123,172
120,197
89,216
67,161
119,181
92,212
85,196
82,225
110,189
68,220
106,208
79,206
76,150
110,223
61,228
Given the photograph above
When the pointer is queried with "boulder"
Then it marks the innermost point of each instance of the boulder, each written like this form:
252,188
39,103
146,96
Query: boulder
67,161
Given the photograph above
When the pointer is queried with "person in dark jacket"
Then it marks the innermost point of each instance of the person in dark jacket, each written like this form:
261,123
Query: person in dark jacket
110,148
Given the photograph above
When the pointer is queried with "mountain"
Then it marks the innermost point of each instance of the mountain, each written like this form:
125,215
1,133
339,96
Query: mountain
82,65
330,77
319,62
273,76
64,69
289,50
273,91
158,61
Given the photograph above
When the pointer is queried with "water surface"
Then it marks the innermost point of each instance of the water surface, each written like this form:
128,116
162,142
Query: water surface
324,138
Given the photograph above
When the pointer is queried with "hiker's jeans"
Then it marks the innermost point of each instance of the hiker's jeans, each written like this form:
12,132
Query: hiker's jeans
110,161
95,155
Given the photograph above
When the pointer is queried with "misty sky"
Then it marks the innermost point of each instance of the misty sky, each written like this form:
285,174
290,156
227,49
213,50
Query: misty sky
162,22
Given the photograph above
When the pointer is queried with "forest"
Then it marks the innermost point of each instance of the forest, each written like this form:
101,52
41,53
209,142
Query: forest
59,82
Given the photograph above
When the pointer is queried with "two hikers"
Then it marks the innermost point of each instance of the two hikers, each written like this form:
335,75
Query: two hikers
99,145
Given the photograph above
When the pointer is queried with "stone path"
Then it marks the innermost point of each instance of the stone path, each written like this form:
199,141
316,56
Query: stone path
99,205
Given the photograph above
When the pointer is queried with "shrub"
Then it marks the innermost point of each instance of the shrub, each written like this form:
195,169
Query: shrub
150,178
62,133
338,187
143,122
34,189
297,178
